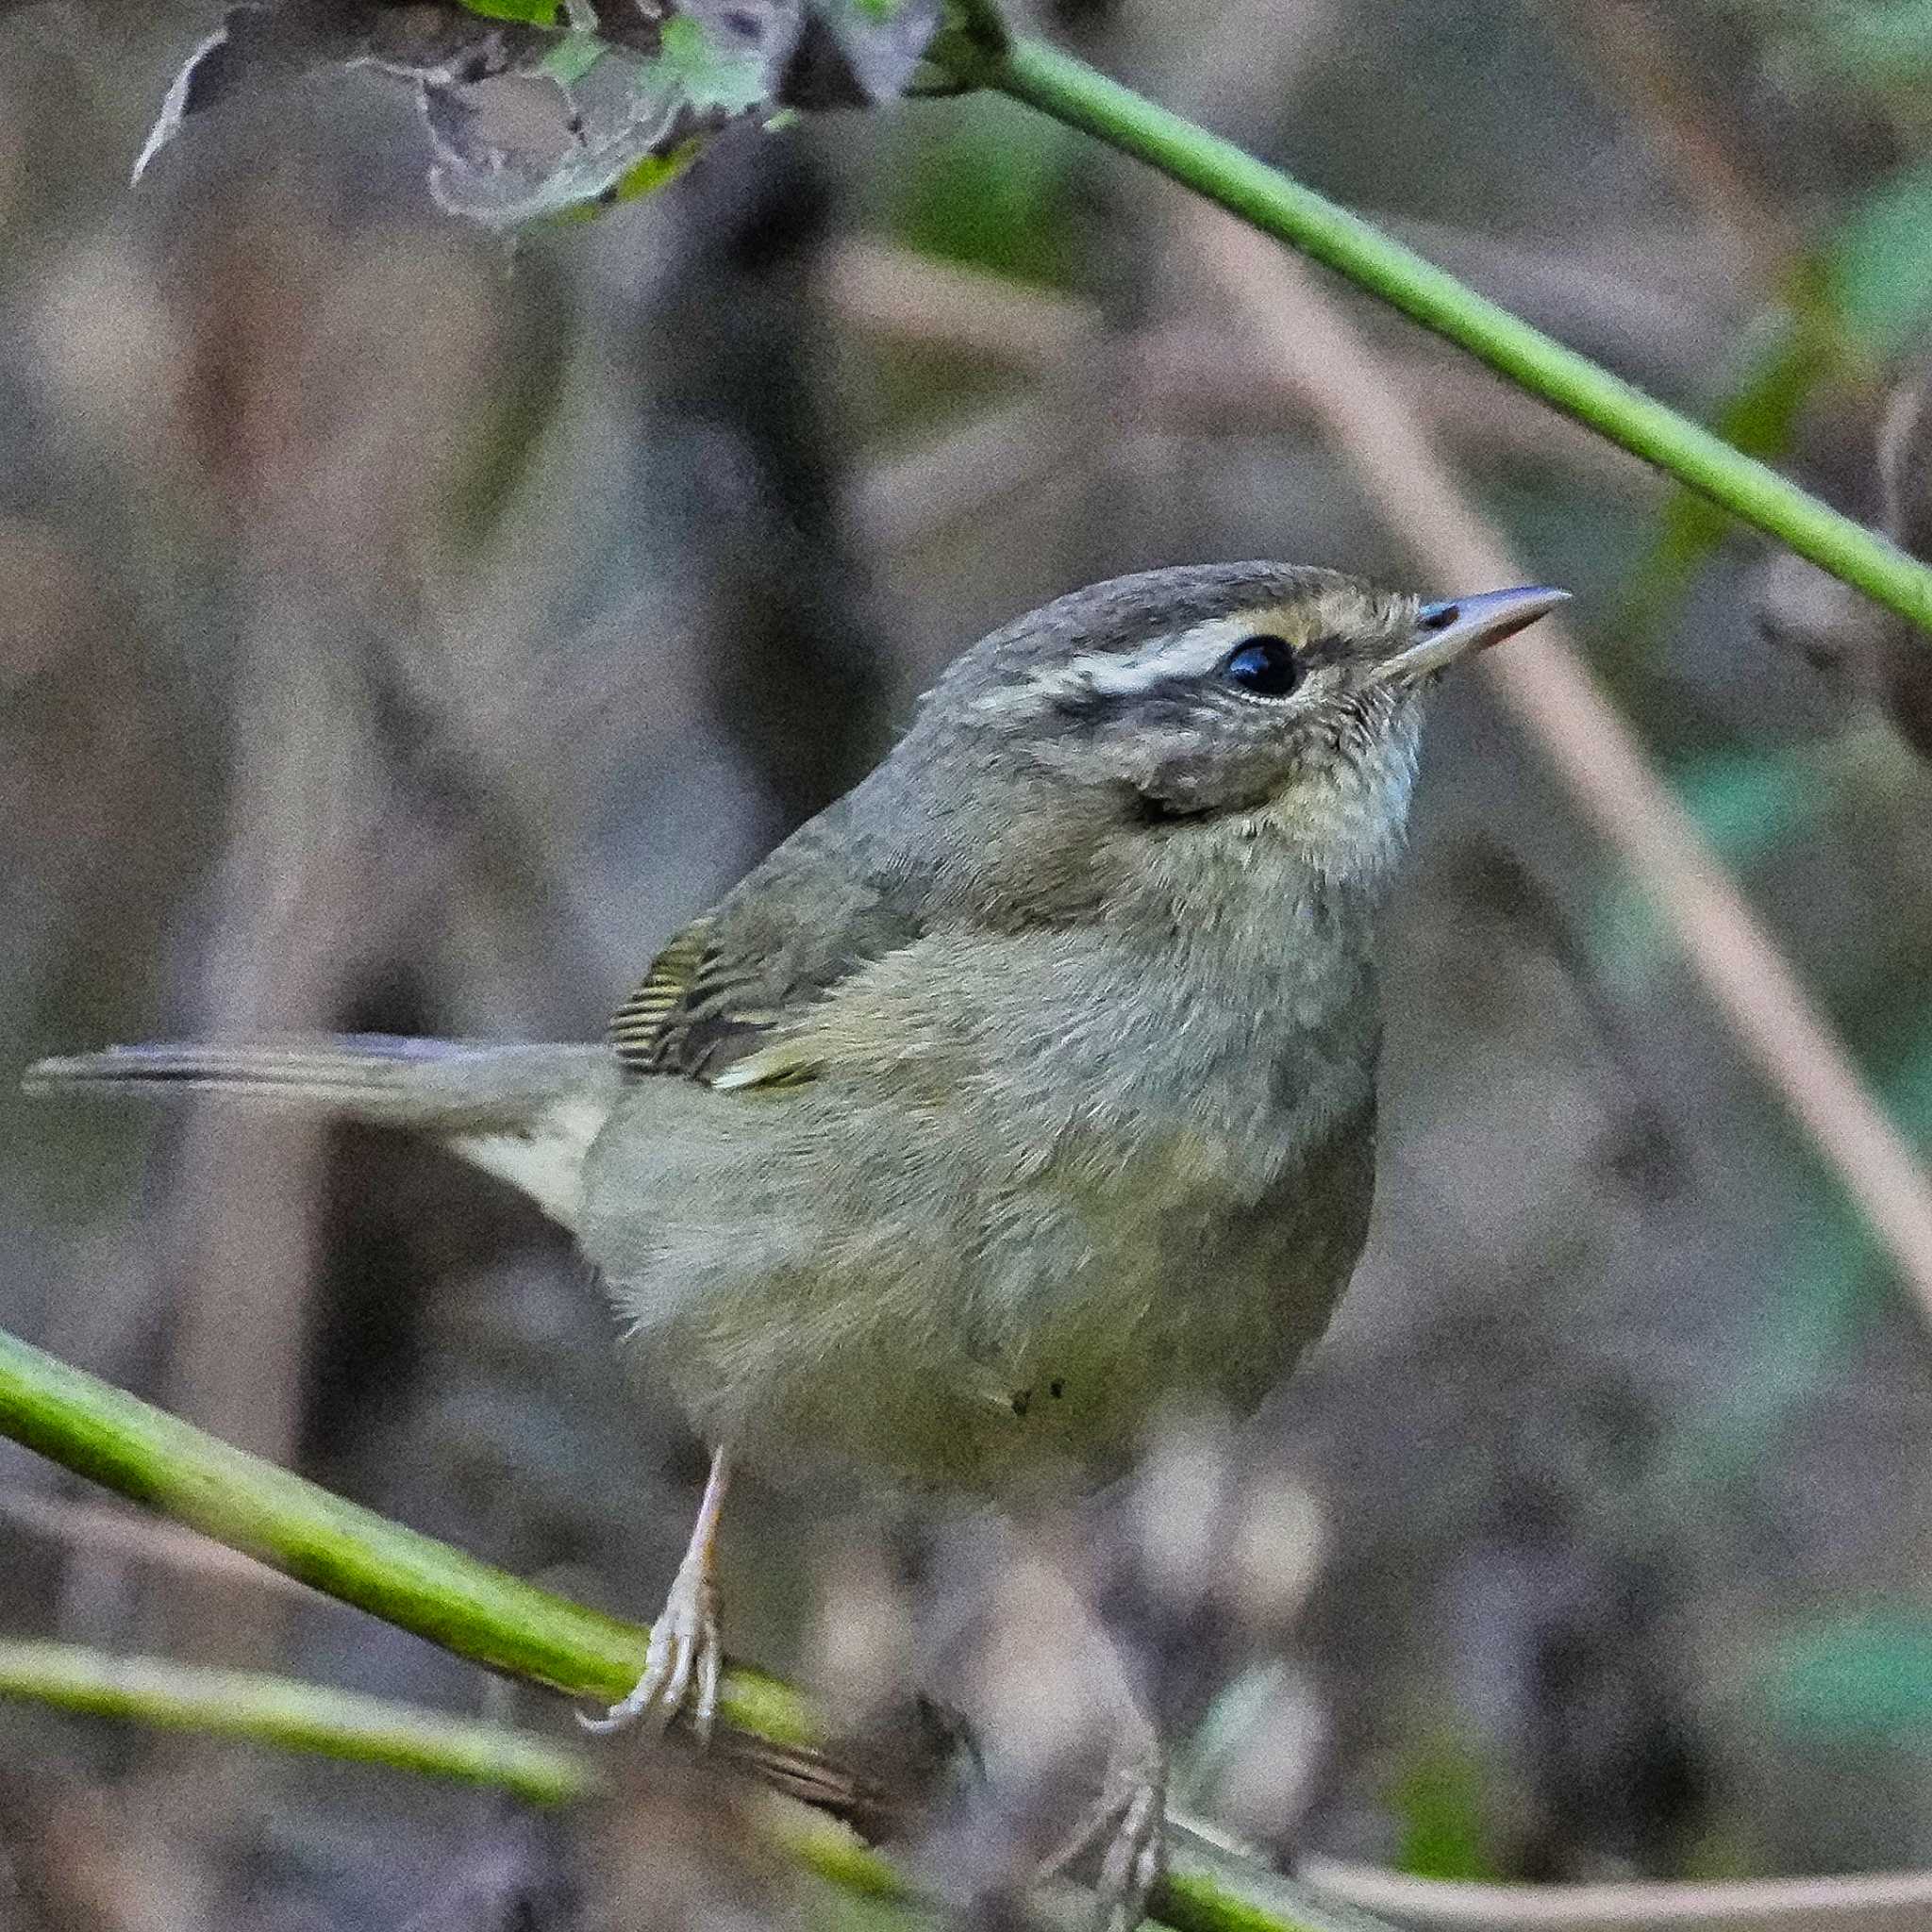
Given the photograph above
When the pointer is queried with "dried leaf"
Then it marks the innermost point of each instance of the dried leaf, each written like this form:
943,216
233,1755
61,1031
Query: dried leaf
537,108
1905,468
260,43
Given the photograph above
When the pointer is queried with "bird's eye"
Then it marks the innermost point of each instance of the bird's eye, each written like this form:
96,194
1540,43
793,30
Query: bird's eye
1263,666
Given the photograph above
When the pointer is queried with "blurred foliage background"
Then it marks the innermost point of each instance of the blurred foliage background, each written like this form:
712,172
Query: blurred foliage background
403,628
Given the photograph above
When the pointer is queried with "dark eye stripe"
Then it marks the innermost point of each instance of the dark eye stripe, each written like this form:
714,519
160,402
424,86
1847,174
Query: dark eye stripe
1327,649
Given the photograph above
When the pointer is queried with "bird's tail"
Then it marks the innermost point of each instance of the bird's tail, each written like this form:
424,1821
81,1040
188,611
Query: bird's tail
528,1113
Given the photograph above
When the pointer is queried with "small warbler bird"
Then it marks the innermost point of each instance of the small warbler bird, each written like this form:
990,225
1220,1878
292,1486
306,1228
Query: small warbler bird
1030,1086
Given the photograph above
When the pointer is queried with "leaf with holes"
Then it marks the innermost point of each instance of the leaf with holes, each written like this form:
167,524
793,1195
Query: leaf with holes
537,108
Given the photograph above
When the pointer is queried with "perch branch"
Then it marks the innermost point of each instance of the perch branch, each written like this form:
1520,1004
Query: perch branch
979,51
348,1552
423,1586
1210,1889
293,1716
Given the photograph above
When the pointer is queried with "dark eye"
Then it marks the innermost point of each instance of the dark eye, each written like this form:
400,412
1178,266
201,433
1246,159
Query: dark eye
1263,666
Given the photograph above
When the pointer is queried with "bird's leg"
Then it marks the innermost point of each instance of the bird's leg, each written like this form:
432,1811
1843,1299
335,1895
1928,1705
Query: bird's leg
1127,1828
686,1650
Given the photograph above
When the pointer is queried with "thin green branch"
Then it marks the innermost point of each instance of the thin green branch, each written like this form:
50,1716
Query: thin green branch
263,1709
425,1587
410,1580
295,1717
976,49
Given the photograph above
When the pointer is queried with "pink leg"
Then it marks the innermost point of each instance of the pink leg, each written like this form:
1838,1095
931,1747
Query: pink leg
686,1654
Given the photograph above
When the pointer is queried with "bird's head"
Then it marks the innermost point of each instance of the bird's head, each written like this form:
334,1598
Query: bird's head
1146,727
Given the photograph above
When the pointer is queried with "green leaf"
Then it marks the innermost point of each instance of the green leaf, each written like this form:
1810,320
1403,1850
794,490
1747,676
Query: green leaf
1881,43
532,12
1868,1673
1824,1290
539,108
708,70
1880,263
1749,802
1907,1088
992,194
625,120
573,57
647,177
1786,355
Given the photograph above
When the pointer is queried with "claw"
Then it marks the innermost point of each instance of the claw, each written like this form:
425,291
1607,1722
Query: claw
1135,1861
1128,1827
684,1655
687,1651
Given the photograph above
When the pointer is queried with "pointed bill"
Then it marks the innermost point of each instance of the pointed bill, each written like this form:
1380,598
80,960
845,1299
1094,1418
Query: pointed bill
1457,627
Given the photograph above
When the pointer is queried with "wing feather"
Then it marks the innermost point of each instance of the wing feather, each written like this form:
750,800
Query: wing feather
825,903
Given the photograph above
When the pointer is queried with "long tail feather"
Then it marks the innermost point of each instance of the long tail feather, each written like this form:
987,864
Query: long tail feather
526,1112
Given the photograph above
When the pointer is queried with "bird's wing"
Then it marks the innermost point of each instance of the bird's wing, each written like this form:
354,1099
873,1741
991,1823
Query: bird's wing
688,1014
820,907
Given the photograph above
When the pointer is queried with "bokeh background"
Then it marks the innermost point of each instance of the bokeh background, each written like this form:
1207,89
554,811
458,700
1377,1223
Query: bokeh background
402,628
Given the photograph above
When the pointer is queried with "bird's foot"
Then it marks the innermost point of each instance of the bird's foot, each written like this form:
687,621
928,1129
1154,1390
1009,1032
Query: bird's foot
683,1662
1127,1828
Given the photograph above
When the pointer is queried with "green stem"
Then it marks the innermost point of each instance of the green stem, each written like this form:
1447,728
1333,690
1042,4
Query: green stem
352,1554
295,1717
421,1585
291,1716
1210,1889
978,51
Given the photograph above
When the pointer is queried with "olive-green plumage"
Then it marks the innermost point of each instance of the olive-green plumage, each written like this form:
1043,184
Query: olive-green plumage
1028,1086
1033,1083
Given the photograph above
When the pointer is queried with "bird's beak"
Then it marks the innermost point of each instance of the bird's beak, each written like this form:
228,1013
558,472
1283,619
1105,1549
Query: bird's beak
1459,627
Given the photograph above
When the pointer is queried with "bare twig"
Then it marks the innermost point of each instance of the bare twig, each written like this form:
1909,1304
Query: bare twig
1543,682
99,1529
1629,57
1868,1902
896,292
964,311
1179,378
247,1203
969,473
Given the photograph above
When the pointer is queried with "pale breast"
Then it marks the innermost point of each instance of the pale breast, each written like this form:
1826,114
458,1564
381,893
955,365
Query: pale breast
1200,1299
972,1276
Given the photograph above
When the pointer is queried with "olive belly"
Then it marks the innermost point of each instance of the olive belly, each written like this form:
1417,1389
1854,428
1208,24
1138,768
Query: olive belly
1015,1340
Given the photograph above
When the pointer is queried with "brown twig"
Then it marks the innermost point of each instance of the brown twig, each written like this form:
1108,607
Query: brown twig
892,291
1868,1902
1180,379
968,472
1543,681
1629,58
961,311
100,1530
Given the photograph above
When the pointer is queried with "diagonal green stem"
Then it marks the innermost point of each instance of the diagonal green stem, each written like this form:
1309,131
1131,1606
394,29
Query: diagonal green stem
295,1716
977,51
424,1586
407,1579
253,1708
